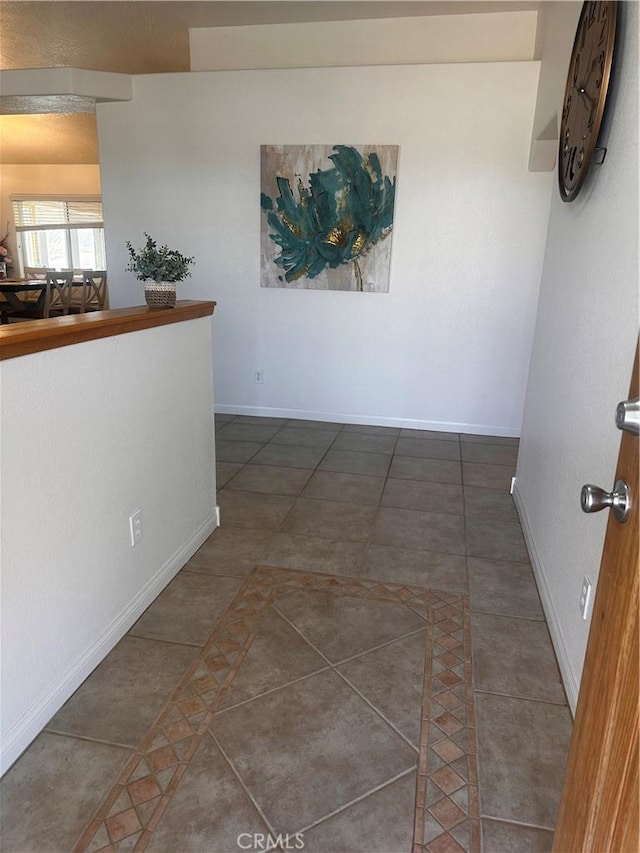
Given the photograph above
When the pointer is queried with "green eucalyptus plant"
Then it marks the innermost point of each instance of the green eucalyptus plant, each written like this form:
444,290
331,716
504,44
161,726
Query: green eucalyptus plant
158,264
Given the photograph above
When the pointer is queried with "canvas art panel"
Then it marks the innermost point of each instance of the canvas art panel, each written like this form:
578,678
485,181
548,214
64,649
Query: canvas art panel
327,216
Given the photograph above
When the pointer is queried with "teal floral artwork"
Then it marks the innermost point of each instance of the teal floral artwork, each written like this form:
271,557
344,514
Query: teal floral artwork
327,216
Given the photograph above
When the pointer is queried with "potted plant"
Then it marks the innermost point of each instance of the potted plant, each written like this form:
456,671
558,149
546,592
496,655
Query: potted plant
160,269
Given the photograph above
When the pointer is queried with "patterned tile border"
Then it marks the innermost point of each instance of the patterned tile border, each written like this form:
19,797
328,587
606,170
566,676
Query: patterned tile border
446,817
447,814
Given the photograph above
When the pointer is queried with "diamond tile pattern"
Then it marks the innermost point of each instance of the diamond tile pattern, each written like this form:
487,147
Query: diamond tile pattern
137,801
447,779
171,743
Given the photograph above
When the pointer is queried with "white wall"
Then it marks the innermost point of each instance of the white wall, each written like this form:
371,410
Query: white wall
485,37
448,347
581,365
90,433
557,24
46,179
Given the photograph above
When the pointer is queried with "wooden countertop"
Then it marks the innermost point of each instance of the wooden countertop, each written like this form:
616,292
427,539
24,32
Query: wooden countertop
38,335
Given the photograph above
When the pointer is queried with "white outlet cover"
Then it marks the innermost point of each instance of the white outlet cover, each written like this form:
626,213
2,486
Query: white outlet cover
586,597
135,527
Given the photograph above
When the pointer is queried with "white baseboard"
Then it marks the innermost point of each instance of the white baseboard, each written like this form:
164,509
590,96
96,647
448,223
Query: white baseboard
571,685
369,420
18,738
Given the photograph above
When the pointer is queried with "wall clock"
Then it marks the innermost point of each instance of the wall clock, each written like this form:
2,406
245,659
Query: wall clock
586,94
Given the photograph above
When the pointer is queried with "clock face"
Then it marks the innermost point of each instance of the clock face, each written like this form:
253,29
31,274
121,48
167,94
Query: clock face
585,94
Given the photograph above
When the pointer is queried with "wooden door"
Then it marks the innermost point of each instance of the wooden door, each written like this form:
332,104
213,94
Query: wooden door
599,812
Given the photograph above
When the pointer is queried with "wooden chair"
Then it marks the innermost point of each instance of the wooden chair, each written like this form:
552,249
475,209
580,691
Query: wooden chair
34,274
50,300
37,272
95,294
58,294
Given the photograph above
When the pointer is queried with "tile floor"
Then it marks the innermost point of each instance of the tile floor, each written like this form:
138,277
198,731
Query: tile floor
358,654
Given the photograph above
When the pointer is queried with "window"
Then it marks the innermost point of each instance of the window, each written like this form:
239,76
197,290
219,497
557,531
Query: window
60,232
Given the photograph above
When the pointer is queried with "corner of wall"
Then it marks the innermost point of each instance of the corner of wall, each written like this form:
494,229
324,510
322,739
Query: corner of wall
570,680
556,27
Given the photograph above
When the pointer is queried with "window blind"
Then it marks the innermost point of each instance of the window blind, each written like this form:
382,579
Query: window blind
41,214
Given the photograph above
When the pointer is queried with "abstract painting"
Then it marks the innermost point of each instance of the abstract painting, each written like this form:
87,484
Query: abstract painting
327,216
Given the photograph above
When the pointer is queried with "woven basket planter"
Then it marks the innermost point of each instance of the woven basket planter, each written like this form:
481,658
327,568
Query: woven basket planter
160,294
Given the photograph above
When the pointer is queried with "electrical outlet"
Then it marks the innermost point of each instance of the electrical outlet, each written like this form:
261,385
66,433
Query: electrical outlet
586,594
135,527
258,376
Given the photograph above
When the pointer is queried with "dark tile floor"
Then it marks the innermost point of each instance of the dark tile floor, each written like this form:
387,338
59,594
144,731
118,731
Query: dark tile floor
289,698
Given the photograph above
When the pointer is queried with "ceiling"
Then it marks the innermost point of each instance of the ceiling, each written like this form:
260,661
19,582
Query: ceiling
146,36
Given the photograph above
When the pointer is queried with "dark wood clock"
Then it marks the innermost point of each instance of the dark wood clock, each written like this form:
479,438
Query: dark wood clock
586,93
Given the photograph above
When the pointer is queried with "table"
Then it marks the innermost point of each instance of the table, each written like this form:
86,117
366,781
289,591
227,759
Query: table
14,304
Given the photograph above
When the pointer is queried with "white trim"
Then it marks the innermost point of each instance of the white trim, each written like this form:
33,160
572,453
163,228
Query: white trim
369,420
18,738
54,197
571,685
60,226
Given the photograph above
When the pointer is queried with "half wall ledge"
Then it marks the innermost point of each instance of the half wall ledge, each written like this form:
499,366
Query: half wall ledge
38,335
